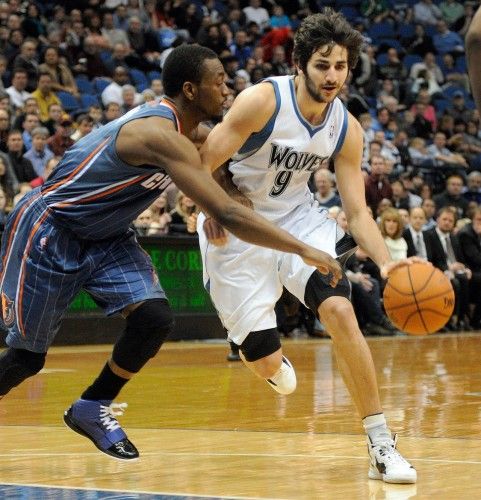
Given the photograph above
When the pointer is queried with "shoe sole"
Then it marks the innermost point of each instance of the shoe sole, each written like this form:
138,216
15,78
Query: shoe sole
72,425
374,474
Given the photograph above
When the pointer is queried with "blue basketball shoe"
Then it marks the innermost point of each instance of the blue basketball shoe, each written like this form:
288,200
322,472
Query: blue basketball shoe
96,421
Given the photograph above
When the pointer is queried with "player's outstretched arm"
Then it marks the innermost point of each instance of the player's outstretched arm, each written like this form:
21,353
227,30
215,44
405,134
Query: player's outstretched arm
154,145
350,183
473,54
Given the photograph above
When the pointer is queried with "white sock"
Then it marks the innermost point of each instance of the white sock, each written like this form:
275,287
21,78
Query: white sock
284,380
376,428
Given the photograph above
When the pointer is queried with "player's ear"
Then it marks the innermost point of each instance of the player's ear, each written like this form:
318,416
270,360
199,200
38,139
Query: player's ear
190,90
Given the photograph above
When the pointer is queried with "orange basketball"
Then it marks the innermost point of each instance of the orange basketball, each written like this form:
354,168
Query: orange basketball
418,299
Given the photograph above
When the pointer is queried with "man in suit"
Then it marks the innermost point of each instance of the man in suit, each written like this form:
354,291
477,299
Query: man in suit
470,240
413,233
444,252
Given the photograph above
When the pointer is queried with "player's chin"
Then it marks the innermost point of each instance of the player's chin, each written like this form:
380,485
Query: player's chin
217,114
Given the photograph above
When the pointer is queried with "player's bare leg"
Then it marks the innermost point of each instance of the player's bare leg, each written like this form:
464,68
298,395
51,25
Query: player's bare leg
357,369
352,353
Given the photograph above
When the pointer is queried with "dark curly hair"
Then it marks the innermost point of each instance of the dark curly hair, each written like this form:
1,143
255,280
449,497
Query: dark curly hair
326,28
184,64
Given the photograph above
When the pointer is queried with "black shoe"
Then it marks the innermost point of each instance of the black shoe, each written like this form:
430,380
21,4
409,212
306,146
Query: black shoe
453,327
375,329
385,323
464,326
475,325
233,356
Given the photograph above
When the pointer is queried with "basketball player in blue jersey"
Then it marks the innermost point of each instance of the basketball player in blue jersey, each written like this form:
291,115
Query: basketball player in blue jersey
277,134
73,233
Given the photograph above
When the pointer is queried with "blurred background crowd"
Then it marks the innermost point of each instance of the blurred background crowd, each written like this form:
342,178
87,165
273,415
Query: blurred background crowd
69,67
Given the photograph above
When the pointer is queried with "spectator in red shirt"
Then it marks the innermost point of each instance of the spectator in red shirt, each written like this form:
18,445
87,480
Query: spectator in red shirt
61,140
377,184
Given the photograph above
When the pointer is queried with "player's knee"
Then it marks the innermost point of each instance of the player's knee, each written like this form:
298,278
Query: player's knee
146,330
318,291
260,344
16,365
338,309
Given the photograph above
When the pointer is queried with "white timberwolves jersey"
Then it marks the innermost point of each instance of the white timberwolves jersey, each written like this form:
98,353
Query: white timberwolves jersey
273,166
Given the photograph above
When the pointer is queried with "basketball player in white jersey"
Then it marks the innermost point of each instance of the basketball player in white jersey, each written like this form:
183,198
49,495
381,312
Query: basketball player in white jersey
278,133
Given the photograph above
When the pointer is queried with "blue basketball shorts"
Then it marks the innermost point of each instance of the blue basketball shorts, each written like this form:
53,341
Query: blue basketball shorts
43,266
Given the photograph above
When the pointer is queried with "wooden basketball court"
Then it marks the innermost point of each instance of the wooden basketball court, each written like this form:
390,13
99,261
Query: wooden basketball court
208,428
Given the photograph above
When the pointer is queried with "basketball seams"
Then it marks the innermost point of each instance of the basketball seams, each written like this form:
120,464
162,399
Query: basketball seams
416,300
408,294
420,301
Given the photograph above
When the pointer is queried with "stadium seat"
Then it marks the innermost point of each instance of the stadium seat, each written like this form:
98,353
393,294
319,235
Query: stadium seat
100,84
430,30
440,105
138,77
381,30
460,64
350,13
381,59
411,59
87,100
69,102
385,44
154,75
346,3
405,30
85,86
452,89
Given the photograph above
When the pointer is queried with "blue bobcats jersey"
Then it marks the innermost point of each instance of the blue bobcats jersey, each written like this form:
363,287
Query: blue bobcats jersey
93,192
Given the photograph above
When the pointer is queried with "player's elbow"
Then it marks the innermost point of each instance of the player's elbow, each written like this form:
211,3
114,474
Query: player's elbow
473,38
229,215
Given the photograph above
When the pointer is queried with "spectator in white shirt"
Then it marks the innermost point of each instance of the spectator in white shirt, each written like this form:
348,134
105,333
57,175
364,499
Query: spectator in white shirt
113,91
18,94
254,12
425,12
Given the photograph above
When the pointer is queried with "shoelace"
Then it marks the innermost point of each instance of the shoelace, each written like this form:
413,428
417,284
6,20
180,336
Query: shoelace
389,453
108,414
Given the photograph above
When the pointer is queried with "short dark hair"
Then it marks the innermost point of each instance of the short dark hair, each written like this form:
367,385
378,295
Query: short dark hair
17,71
84,117
326,28
184,64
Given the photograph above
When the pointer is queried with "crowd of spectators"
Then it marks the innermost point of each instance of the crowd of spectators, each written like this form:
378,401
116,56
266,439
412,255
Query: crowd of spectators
69,67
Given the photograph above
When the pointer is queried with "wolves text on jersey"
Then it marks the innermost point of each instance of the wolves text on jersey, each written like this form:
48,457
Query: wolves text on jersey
287,158
157,181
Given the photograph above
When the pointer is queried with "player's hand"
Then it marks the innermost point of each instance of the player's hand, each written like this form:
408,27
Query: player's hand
390,266
214,232
365,282
192,223
324,262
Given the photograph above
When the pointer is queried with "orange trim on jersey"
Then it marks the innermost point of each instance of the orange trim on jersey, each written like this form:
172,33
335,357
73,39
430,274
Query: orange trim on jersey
13,232
79,168
166,103
22,268
103,193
